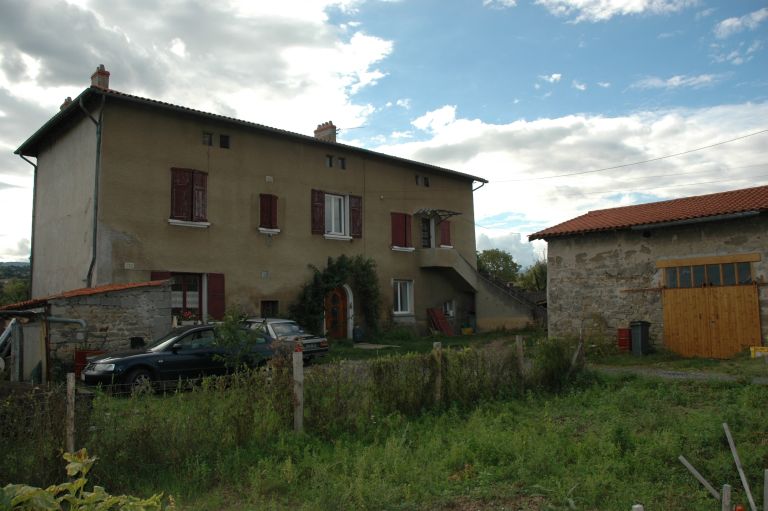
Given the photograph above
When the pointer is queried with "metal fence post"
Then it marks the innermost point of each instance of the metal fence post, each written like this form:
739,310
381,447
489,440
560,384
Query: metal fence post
298,388
437,352
638,507
726,498
70,412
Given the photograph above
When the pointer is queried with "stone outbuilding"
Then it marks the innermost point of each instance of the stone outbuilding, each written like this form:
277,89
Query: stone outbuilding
54,329
695,268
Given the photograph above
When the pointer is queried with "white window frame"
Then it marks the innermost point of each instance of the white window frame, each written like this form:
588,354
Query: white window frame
403,288
449,308
340,202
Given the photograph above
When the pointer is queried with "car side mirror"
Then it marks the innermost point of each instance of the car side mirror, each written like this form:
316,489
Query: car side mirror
175,348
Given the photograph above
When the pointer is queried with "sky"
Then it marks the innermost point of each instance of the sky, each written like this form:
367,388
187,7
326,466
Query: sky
559,104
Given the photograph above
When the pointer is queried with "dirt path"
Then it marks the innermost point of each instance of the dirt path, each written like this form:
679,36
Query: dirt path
667,374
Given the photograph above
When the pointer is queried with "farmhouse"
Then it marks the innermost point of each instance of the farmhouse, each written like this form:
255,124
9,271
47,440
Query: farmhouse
130,189
695,268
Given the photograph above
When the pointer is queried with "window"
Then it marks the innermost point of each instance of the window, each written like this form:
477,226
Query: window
329,160
403,296
426,181
426,233
269,309
189,195
337,216
207,138
342,163
224,141
268,211
709,272
401,230
449,309
188,297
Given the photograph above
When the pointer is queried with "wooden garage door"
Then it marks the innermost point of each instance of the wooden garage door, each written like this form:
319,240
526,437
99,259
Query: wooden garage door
714,322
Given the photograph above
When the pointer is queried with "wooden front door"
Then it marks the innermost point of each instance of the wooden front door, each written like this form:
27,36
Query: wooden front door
713,322
336,313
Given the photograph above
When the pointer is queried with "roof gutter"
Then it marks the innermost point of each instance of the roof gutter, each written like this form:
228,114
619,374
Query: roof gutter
482,184
730,216
34,207
97,171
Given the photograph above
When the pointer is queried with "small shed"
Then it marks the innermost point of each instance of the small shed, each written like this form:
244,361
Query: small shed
54,333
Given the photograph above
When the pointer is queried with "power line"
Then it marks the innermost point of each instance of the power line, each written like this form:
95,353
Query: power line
636,162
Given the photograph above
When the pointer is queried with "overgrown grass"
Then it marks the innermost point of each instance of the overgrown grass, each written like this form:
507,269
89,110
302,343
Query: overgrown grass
604,446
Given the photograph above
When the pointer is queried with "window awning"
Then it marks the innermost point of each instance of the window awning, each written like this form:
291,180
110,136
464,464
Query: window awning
439,214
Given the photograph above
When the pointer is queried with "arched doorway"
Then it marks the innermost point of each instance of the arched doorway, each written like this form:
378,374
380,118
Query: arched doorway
336,313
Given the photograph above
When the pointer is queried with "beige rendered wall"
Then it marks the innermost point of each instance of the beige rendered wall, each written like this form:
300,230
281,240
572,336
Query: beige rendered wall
141,146
602,281
64,211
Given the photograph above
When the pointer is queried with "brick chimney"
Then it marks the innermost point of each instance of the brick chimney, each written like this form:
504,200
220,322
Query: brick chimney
100,78
66,103
326,131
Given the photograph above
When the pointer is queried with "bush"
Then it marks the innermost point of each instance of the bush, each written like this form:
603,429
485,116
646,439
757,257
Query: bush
552,364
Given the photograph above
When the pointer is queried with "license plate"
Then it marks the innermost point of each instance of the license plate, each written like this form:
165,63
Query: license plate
310,345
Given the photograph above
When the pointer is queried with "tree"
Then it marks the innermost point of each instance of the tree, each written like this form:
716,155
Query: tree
534,278
498,264
14,291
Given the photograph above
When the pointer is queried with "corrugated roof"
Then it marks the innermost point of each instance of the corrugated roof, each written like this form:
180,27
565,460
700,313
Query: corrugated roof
687,208
36,302
32,145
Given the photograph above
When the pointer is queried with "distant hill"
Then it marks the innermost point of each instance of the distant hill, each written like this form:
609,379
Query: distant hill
14,270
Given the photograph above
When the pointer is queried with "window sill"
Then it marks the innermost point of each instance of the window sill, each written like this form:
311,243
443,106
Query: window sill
187,223
268,231
337,237
402,249
446,246
403,317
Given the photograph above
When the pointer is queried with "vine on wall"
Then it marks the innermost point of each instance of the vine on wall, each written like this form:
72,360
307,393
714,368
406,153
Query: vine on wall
357,272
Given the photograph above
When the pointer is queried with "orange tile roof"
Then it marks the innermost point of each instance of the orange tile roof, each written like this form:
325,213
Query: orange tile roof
28,304
687,208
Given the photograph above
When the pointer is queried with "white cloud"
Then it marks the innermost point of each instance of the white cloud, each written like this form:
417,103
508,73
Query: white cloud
579,85
522,252
515,157
179,48
553,78
731,26
499,4
436,119
604,85
676,82
404,103
603,10
397,135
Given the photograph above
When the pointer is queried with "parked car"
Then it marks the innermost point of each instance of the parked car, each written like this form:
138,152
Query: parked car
184,352
287,333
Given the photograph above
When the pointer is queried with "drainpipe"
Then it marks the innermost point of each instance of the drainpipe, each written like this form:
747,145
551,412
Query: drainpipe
97,171
32,238
476,189
81,322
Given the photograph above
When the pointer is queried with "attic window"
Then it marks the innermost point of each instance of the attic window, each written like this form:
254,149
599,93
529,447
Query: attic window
342,163
426,181
207,138
224,141
329,160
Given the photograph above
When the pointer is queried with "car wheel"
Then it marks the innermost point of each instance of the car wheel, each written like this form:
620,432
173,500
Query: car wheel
139,381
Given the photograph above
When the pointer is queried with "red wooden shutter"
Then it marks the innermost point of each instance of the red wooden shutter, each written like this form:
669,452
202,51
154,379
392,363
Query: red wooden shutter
445,233
159,275
355,216
181,194
200,211
216,304
401,230
268,211
318,212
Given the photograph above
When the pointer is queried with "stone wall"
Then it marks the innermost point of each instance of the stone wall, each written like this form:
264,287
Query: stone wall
112,319
598,282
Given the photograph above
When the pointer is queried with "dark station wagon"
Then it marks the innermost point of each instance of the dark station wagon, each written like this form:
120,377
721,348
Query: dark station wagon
184,353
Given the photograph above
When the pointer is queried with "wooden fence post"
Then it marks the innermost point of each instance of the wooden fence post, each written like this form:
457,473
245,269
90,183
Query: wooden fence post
70,412
520,355
699,477
765,486
298,388
437,352
638,507
726,498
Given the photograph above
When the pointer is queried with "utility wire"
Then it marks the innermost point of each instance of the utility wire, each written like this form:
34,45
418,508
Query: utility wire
637,162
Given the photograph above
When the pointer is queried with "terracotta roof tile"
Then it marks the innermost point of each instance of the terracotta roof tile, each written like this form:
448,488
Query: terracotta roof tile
687,208
28,304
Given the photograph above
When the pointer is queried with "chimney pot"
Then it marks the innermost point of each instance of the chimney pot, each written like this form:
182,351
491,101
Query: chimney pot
326,131
66,103
100,78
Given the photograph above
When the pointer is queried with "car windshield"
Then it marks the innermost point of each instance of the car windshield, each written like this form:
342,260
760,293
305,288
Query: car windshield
287,328
169,338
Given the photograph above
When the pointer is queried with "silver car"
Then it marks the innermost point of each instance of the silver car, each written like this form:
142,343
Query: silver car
287,333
